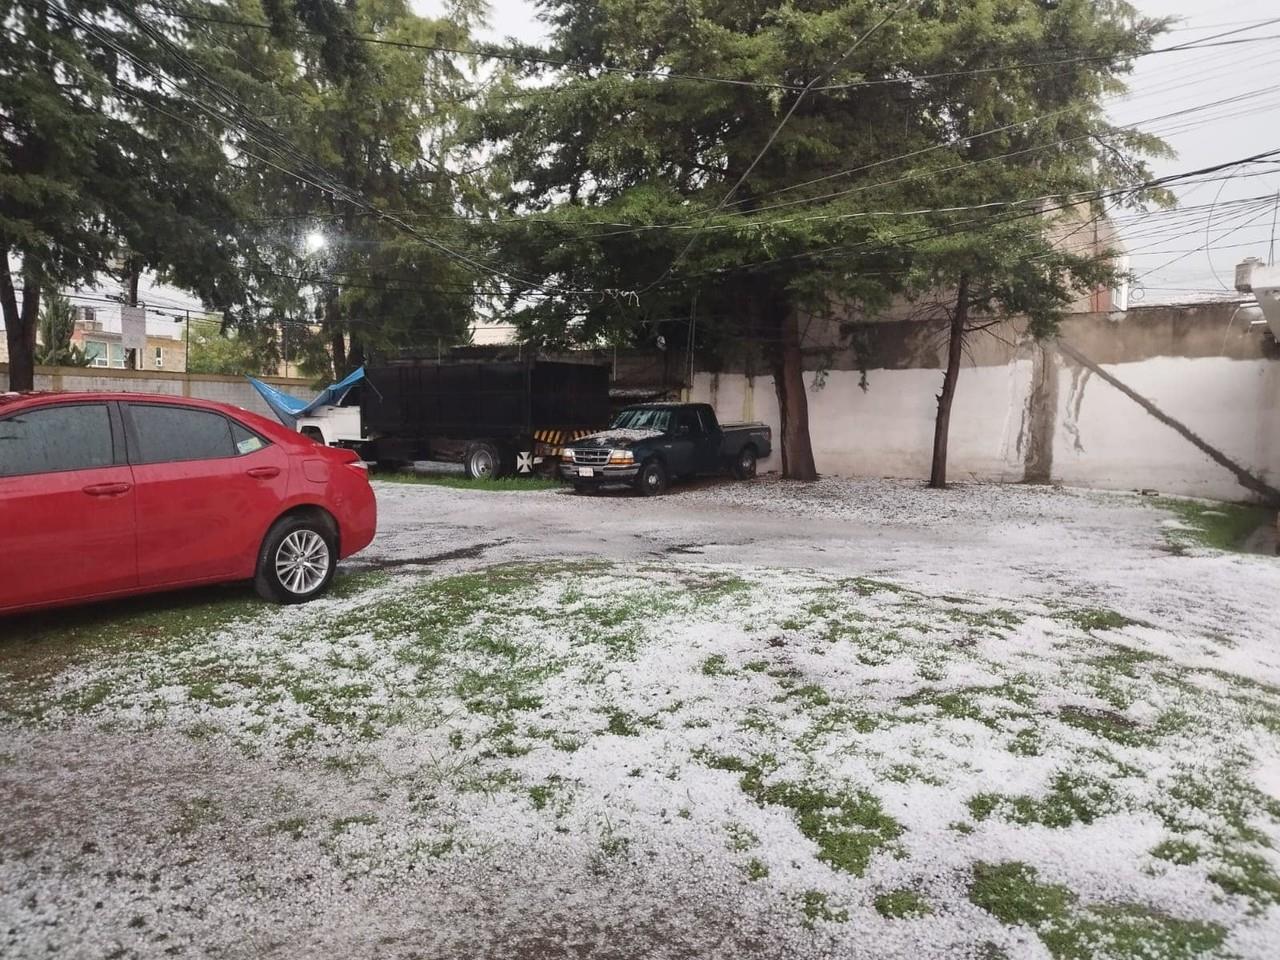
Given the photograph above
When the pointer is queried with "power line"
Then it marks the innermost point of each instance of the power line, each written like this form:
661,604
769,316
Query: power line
954,168
492,53
958,229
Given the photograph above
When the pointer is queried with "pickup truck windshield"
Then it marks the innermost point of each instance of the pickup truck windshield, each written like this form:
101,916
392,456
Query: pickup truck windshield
642,418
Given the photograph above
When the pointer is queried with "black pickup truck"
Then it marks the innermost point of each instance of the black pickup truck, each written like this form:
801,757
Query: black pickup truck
651,444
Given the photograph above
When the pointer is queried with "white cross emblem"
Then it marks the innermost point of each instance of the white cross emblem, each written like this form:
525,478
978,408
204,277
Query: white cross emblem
524,463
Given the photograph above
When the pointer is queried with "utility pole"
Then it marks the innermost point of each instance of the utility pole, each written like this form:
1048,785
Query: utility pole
186,348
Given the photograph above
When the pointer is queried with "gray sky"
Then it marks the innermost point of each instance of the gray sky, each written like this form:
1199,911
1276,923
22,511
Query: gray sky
1170,253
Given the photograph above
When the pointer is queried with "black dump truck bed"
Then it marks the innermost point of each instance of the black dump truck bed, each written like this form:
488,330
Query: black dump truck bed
450,410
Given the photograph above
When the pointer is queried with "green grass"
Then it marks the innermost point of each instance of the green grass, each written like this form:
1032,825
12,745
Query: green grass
523,484
1097,619
1219,526
36,648
848,827
1070,799
293,827
816,906
1012,893
902,903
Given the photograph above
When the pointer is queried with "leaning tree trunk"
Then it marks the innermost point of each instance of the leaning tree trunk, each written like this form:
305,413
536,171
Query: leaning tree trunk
793,402
20,325
955,346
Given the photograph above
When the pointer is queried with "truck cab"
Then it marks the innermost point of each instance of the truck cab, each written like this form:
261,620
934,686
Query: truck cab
332,426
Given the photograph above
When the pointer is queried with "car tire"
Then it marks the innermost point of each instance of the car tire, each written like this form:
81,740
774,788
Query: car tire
297,560
652,479
483,461
744,468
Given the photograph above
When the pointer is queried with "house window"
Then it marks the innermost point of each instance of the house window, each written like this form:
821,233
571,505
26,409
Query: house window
115,355
159,358
96,351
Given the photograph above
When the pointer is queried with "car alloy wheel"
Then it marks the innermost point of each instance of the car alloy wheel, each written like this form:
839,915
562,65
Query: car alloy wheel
302,562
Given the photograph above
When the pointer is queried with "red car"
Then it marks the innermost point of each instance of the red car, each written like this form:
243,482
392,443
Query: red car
108,494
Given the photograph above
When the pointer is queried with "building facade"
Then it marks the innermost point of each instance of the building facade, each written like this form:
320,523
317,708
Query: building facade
105,348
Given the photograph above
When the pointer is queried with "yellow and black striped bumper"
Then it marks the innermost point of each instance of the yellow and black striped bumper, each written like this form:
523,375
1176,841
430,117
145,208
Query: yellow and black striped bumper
550,443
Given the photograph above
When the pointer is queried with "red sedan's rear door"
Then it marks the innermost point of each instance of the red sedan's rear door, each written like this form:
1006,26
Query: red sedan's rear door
66,505
208,490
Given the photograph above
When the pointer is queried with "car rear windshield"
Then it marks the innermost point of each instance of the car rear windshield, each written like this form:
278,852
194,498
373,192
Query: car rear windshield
642,418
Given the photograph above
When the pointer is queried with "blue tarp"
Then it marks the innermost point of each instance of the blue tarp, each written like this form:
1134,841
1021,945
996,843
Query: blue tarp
289,408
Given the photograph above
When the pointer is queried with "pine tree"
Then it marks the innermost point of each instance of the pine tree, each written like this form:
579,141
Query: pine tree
56,327
105,166
634,171
356,130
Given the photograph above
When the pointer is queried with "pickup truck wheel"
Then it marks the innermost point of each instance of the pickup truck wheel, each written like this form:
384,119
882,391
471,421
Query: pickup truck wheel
652,479
483,461
744,468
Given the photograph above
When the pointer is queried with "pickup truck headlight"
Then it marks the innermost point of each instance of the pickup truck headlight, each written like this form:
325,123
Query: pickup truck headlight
566,454
621,457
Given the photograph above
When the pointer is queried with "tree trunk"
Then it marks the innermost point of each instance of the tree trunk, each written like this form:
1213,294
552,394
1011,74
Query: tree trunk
955,346
793,401
20,325
355,353
337,342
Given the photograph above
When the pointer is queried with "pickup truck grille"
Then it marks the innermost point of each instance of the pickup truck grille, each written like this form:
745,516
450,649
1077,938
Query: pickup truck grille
590,458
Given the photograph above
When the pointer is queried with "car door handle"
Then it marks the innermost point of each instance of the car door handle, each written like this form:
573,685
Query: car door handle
263,473
107,489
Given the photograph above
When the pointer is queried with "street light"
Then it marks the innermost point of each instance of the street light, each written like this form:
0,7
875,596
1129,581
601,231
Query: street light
315,241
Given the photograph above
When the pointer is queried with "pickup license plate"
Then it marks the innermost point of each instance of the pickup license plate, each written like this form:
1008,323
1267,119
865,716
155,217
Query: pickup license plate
586,472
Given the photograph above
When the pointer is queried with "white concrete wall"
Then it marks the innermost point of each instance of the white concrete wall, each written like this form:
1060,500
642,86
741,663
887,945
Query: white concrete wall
1101,438
233,390
887,430
1104,439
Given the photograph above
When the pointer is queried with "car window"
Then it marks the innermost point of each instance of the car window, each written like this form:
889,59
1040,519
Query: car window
687,423
245,441
707,419
50,439
164,434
